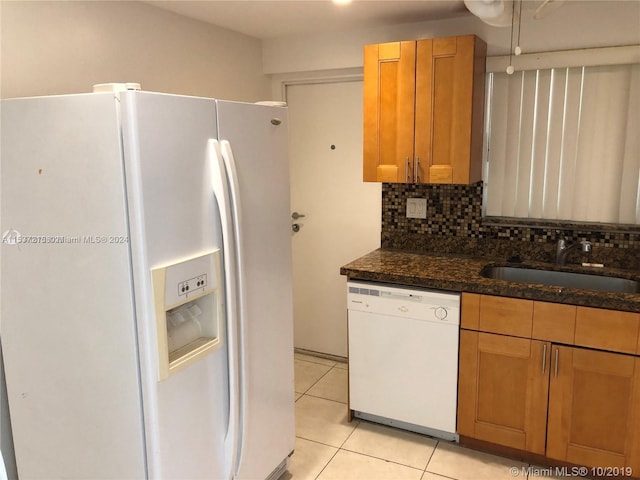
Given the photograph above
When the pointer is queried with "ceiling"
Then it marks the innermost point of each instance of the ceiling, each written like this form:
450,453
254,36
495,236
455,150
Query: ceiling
280,18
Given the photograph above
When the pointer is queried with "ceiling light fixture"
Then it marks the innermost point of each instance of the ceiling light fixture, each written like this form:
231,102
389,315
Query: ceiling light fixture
341,2
497,13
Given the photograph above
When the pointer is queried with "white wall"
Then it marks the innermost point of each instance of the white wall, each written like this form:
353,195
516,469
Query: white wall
576,24
54,47
57,47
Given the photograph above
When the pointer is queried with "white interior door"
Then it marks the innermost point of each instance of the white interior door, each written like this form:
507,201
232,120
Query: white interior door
341,213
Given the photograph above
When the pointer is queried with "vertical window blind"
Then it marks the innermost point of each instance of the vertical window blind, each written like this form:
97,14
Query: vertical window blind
564,143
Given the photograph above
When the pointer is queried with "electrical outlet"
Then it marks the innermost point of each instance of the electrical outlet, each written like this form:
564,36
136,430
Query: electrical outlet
416,208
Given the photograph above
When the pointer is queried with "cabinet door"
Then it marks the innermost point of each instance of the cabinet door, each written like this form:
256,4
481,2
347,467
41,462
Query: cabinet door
503,387
389,99
594,408
450,109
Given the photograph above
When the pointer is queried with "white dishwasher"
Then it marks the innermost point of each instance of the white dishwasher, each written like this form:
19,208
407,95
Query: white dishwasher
403,357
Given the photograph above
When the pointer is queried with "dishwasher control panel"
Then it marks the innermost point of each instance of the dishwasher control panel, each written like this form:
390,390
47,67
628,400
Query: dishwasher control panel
409,302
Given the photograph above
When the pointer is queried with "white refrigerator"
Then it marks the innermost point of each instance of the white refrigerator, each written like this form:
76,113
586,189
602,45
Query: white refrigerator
146,310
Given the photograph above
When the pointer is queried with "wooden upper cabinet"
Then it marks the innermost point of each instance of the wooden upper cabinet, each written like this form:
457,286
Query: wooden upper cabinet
424,110
389,110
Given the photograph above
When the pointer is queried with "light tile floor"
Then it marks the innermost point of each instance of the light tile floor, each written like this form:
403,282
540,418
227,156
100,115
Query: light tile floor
330,448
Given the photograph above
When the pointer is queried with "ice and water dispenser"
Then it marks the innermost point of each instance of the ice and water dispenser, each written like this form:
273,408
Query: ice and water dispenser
189,310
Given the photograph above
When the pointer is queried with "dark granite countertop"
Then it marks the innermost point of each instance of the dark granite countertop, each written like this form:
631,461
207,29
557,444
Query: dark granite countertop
461,273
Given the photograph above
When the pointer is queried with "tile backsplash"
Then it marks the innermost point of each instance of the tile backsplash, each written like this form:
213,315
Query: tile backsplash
454,224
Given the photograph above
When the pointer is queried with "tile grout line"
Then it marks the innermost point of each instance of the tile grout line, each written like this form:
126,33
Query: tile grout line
321,398
317,381
326,445
338,365
314,383
324,398
434,473
423,470
351,433
342,448
338,449
431,456
316,441
327,464
383,459
444,477
321,443
316,363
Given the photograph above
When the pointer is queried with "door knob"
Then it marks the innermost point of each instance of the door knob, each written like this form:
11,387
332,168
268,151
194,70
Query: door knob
296,215
295,227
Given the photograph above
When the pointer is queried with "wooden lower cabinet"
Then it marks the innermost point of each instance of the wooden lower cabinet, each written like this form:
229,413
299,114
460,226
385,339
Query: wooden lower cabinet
567,403
503,390
594,408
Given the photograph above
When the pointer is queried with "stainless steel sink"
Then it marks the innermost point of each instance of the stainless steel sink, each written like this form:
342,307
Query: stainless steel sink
562,279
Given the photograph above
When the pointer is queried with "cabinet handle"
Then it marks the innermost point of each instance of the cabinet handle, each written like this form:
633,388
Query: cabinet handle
555,373
416,177
407,169
544,357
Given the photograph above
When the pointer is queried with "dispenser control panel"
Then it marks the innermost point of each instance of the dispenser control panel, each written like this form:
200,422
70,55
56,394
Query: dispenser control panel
192,285
189,278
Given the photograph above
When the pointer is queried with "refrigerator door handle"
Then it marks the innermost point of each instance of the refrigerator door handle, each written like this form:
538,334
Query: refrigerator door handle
220,186
236,210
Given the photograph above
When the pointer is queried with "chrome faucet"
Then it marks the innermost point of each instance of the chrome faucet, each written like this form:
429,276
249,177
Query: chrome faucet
563,248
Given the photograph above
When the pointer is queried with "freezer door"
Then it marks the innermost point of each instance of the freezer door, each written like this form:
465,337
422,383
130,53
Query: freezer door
253,141
68,326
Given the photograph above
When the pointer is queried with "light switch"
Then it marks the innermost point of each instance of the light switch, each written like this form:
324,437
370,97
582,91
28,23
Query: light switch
416,208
